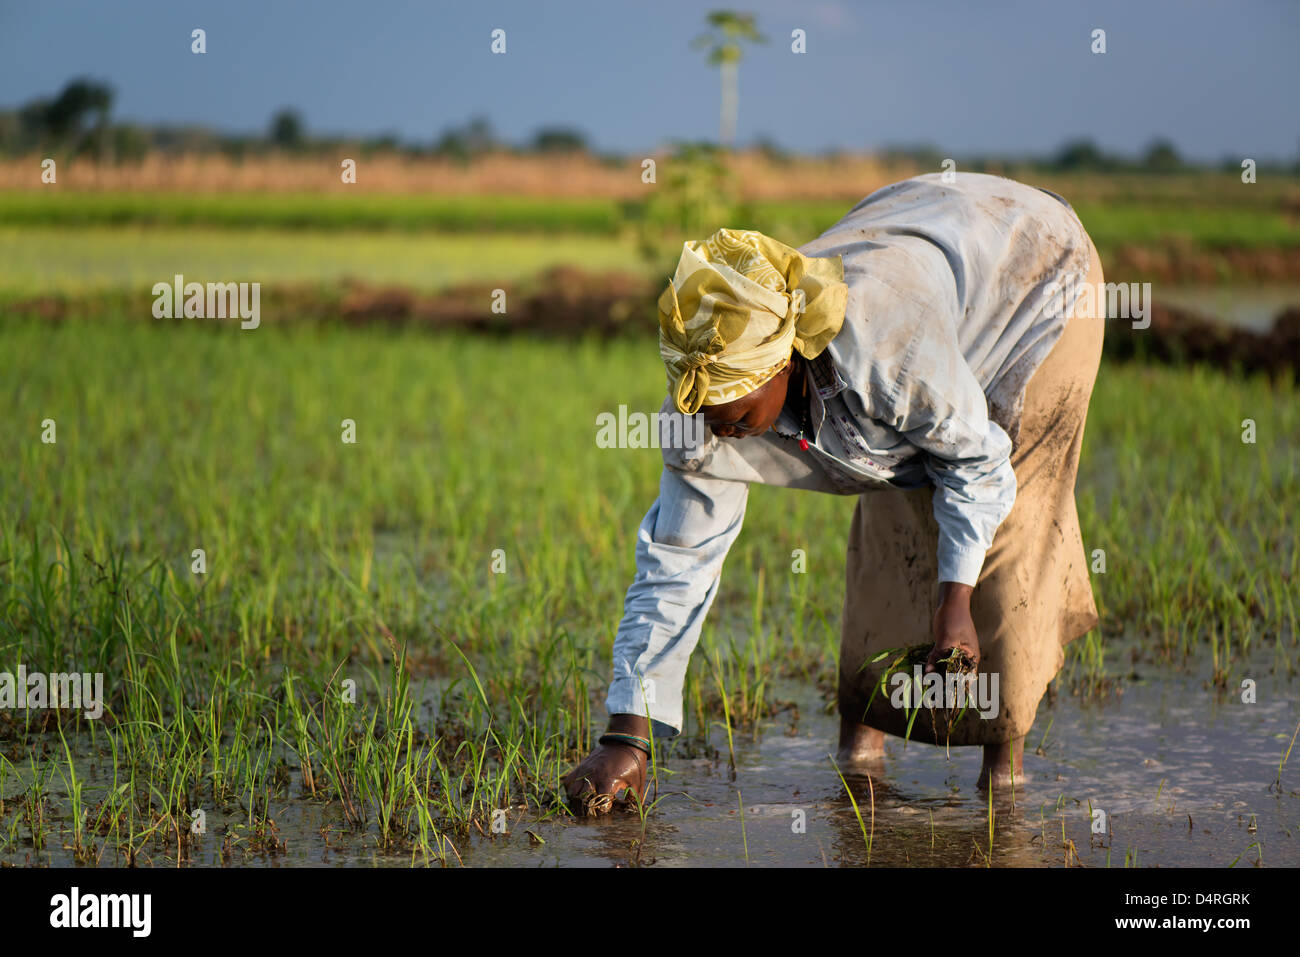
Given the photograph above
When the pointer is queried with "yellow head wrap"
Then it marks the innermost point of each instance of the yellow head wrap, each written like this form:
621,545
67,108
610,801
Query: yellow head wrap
738,303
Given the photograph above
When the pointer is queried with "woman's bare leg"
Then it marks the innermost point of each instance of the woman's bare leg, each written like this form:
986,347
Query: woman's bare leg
859,742
1002,763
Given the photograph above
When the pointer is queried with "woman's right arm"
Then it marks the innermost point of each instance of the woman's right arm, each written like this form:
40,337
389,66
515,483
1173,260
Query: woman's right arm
681,545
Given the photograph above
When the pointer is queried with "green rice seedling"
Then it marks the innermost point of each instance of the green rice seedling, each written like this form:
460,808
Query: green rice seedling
82,853
867,837
744,838
903,661
726,713
991,822
36,803
644,808
1255,846
1286,756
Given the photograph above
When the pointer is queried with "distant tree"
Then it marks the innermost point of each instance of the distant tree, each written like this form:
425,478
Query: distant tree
1162,157
730,30
921,155
286,130
76,119
236,147
31,121
1081,155
1229,164
472,139
66,117
478,135
771,150
10,127
559,140
383,143
130,142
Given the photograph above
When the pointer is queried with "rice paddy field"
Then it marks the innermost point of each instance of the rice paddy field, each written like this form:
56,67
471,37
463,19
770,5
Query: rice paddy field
104,259
386,651
1190,210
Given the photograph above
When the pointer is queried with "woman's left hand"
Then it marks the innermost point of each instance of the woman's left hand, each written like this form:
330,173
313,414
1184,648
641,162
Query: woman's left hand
953,626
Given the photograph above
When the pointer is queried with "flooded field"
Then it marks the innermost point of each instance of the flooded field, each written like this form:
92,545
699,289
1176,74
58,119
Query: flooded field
1246,307
1166,771
1179,783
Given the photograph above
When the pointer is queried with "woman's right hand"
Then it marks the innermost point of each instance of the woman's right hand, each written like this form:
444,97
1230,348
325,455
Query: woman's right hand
612,772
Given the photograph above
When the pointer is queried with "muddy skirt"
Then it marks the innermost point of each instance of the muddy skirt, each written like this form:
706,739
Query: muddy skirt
1034,594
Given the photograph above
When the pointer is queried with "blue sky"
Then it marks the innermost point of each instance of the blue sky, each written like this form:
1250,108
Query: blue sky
999,77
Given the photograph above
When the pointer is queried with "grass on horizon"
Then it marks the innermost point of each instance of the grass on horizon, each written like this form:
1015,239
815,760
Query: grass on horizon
46,260
1246,216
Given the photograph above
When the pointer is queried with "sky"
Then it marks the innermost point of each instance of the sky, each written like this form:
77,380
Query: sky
1217,78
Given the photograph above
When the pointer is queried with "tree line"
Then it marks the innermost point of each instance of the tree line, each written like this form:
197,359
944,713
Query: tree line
77,122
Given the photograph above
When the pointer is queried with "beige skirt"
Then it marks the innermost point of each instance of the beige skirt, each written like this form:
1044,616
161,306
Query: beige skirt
1034,594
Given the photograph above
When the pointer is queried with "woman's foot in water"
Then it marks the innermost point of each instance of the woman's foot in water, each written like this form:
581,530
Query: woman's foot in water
859,743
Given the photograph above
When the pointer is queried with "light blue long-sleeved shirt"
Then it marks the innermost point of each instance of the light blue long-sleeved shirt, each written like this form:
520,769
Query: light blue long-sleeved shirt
946,320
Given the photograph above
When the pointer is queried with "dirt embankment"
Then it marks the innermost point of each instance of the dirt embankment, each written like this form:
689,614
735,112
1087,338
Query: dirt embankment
567,301
1179,335
564,300
1194,265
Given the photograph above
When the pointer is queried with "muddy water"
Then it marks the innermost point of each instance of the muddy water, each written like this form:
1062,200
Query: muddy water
1246,307
1183,774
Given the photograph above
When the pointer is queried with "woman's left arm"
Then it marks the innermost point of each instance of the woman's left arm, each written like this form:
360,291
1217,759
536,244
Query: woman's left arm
974,490
904,362
939,406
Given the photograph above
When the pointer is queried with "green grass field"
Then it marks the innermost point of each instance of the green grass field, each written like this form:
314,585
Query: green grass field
35,259
327,561
38,260
312,211
1204,211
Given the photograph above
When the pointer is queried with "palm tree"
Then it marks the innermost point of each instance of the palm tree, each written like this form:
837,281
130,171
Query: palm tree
729,30
65,119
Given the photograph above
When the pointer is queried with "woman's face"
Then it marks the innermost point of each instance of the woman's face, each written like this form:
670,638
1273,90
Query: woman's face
751,414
